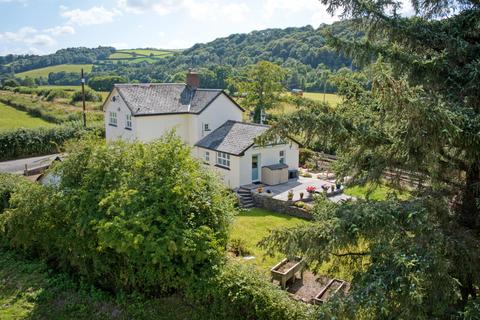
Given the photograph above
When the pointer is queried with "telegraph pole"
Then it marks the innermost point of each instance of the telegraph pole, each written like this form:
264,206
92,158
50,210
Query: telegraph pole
83,101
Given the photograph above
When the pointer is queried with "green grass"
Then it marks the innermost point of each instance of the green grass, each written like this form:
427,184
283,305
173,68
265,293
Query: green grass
12,118
331,98
375,192
147,52
253,225
29,290
43,72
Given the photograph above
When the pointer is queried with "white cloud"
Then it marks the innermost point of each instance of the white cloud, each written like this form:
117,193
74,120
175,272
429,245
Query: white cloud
319,14
92,16
29,36
162,7
215,10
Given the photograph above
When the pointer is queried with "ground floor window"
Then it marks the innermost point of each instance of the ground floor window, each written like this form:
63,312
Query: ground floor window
128,122
207,156
223,159
282,156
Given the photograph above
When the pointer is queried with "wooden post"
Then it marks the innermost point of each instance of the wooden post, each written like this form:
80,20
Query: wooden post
83,101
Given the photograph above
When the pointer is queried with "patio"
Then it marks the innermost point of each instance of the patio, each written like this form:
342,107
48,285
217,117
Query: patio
300,184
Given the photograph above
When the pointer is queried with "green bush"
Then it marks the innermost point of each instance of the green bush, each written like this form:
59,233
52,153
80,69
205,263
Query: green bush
56,93
242,292
144,217
90,95
238,247
8,184
20,143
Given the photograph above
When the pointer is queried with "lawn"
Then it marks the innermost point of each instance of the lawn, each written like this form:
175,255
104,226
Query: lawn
12,118
43,72
253,225
29,290
375,192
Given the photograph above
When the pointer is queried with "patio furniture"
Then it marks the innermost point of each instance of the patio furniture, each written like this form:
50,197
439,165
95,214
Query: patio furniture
286,269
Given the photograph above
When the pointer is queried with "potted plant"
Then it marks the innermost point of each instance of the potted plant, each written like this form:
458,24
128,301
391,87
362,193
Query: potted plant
311,190
332,188
290,195
301,195
260,190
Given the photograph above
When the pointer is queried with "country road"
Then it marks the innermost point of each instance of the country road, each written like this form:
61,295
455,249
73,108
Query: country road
17,166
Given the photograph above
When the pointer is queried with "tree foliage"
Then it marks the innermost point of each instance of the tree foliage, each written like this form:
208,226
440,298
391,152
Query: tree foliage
261,87
415,110
125,216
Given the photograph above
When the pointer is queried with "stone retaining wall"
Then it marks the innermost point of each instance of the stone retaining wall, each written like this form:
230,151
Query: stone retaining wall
265,201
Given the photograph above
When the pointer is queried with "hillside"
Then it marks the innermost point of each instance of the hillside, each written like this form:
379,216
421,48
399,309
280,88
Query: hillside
44,72
302,51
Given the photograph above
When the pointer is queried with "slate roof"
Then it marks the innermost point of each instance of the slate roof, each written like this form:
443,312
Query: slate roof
232,137
166,98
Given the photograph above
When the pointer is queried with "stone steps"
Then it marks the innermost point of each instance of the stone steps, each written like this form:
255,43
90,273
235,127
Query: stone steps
245,198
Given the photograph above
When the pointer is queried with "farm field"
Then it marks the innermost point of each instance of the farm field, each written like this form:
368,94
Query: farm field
140,55
43,72
12,118
252,225
330,98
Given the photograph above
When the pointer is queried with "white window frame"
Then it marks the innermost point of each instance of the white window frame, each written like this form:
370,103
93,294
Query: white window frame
282,156
128,121
207,156
206,127
223,159
113,119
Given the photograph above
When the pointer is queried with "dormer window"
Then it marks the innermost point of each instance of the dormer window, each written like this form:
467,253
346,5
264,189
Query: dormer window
113,118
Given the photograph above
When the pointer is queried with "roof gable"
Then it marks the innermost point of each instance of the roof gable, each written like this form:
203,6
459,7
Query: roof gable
232,137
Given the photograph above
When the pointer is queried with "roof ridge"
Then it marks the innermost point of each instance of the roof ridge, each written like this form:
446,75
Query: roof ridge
251,123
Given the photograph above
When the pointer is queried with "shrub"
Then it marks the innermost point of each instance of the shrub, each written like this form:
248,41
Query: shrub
307,175
90,95
8,184
20,143
300,204
56,93
238,247
104,83
241,292
144,217
305,155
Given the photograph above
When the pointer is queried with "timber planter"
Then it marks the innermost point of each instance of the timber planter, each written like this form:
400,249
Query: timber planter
331,289
286,270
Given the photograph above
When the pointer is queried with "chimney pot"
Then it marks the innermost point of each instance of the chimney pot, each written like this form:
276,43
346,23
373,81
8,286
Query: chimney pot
193,79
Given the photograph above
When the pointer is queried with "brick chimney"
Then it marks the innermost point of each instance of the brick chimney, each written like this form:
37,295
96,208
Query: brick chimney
193,79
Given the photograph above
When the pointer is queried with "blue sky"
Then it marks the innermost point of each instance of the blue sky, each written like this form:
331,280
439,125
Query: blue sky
43,26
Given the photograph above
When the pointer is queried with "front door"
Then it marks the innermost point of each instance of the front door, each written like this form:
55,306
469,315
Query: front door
255,166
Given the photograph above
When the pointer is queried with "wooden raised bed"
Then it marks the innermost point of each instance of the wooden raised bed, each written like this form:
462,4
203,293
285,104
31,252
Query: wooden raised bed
286,269
329,290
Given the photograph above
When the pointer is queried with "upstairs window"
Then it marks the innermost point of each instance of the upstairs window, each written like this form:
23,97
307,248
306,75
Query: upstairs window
282,156
206,127
128,122
113,118
223,159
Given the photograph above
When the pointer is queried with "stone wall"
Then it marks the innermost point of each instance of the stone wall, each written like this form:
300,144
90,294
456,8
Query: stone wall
265,201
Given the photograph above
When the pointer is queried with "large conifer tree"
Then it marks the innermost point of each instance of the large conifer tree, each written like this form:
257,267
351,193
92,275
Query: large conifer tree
416,109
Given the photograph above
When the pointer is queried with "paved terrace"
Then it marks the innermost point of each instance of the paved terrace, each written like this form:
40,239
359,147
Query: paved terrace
300,185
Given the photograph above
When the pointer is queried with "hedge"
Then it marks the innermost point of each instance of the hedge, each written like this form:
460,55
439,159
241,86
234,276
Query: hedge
21,143
8,184
240,292
126,217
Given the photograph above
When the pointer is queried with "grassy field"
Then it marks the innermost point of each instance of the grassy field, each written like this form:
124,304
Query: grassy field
330,98
29,290
253,225
11,118
43,72
140,55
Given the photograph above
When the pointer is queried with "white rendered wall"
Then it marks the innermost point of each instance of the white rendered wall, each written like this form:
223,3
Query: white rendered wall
231,176
118,132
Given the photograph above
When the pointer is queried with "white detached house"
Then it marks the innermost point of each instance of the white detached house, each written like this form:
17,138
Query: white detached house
206,119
